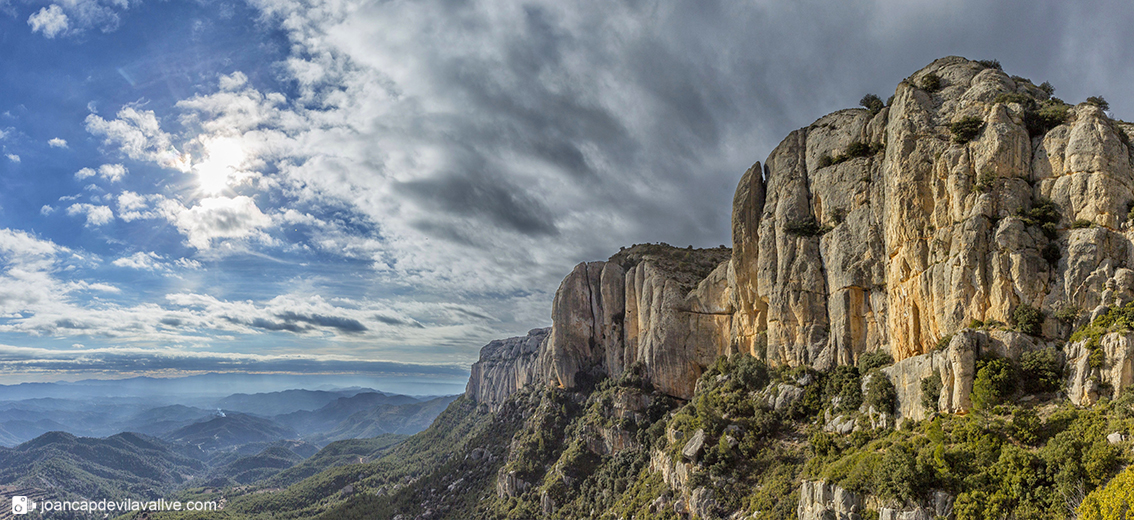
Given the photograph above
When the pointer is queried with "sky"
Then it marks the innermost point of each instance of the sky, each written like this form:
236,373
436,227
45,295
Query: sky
382,187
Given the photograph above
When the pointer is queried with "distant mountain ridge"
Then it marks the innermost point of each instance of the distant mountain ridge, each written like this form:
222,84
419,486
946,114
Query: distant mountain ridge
228,431
287,401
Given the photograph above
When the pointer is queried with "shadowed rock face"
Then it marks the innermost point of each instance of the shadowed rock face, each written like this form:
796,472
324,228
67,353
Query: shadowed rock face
866,232
505,366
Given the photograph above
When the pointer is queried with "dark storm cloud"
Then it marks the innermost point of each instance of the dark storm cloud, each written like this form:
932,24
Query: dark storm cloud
300,323
347,325
476,194
397,322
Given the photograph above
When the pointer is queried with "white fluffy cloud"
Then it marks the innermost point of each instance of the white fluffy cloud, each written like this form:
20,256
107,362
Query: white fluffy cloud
151,261
57,143
148,261
138,135
50,20
13,157
110,172
216,218
74,17
96,215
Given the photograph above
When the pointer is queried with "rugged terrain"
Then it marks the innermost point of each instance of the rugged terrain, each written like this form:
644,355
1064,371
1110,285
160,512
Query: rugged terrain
927,311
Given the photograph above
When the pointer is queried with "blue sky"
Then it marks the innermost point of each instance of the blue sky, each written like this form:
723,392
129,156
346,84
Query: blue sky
383,187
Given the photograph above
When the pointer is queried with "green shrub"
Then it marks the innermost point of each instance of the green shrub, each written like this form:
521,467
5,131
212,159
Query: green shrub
1014,97
1043,211
872,360
1068,314
806,227
1098,101
1081,223
750,372
990,64
994,382
931,391
825,160
1027,319
966,129
1041,370
943,342
1026,426
897,477
855,149
872,103
1041,120
1115,501
859,149
1097,358
985,181
881,394
931,82
1047,88
844,383
1052,254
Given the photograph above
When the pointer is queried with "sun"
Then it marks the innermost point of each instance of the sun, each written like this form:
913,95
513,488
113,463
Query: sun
223,157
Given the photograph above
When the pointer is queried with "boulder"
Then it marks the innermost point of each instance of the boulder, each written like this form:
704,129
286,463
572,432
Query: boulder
692,449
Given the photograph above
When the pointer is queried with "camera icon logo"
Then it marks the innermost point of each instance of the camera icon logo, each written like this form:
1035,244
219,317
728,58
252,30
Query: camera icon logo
21,505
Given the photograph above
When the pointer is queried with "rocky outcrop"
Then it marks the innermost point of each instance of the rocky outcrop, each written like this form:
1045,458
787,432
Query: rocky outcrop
654,312
506,366
819,500
955,365
1104,375
940,505
911,240
510,485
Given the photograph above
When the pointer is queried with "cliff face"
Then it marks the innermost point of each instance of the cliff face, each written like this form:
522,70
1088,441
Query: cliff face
876,231
505,366
929,234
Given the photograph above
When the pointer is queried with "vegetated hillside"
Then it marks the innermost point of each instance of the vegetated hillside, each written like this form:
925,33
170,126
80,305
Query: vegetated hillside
384,419
229,431
927,311
463,440
126,465
247,469
335,454
329,416
288,401
750,441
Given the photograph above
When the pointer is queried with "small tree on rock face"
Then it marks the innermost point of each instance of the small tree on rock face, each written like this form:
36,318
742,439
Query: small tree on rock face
1098,101
1027,319
872,103
966,129
931,392
994,382
931,82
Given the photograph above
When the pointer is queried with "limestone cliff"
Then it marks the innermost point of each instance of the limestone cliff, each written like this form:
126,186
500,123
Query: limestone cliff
970,195
505,366
928,233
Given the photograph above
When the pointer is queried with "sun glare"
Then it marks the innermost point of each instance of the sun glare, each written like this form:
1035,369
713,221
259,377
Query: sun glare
223,157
